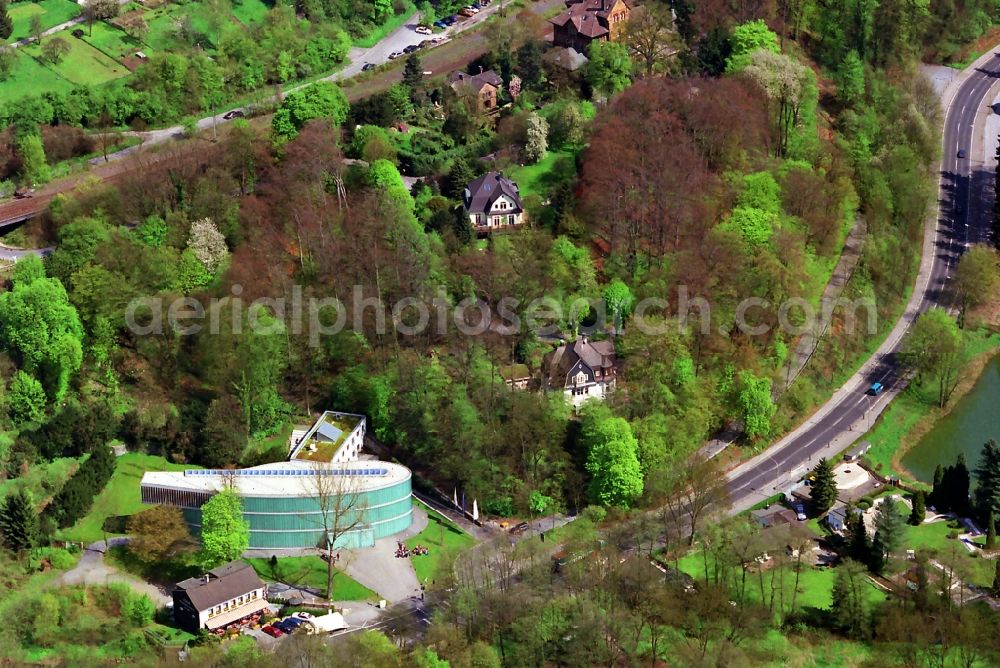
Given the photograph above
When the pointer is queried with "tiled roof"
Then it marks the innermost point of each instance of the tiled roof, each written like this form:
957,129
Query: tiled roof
475,81
480,195
221,584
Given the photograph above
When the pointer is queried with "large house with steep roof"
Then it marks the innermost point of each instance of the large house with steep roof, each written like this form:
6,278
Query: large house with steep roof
493,202
583,370
225,596
586,21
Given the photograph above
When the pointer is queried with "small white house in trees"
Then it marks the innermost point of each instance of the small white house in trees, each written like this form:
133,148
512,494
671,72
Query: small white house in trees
493,202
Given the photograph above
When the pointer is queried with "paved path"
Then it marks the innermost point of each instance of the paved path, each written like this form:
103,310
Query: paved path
379,569
92,571
62,26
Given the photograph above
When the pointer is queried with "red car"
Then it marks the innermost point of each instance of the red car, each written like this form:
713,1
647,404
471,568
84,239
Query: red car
273,632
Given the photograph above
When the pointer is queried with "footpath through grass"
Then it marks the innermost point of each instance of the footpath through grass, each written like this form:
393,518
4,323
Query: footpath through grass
52,13
310,572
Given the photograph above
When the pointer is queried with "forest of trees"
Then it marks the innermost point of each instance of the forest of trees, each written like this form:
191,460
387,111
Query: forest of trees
653,190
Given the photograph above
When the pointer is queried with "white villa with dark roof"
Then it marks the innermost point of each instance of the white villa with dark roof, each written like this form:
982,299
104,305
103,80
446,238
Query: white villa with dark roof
583,370
493,203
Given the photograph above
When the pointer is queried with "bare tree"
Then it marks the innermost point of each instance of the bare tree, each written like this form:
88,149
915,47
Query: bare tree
650,35
341,509
691,493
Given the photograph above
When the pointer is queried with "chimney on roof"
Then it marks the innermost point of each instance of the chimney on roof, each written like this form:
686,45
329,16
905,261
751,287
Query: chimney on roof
583,339
480,69
208,578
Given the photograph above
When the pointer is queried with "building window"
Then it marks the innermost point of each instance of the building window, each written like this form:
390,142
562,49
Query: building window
510,219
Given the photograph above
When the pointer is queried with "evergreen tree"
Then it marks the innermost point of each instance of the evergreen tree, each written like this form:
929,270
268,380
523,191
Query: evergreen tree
18,522
988,479
859,546
935,497
848,605
413,73
996,580
955,487
991,534
919,511
6,23
824,487
888,533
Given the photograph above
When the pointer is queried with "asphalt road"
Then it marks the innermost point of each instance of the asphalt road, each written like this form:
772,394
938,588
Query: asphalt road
963,218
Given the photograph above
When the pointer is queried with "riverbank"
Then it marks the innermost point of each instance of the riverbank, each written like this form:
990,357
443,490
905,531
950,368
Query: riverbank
914,412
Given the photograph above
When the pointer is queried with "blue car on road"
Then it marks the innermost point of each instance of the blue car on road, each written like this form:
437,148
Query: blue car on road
875,389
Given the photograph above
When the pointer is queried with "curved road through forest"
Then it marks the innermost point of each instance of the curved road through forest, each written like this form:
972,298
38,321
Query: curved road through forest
963,218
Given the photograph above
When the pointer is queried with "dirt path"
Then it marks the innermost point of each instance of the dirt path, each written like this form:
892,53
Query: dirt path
93,571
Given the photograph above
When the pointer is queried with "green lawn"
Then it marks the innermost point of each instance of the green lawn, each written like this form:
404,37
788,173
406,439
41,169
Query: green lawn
29,77
311,572
250,11
815,584
121,496
53,12
933,537
539,178
83,65
113,42
444,541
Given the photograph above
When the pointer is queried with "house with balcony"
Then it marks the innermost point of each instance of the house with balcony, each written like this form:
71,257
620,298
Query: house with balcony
230,595
493,203
582,370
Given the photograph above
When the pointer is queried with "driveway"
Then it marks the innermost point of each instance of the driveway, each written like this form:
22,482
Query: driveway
379,569
92,571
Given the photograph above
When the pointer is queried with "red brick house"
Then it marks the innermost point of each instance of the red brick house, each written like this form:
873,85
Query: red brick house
485,86
586,21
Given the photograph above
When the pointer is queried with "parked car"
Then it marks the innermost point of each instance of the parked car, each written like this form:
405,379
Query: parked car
395,54
437,39
440,24
423,30
368,66
876,389
465,11
426,43
304,615
451,20
800,512
289,624
961,153
23,193
473,9
519,528
235,113
411,48
273,632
